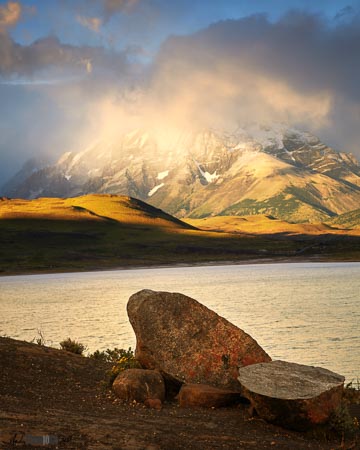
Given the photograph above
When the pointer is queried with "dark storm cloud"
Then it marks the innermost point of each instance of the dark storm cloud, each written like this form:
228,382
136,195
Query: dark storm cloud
49,52
303,69
301,49
344,12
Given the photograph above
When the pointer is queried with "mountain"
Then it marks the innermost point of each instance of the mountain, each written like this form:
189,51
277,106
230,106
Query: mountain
276,171
347,220
31,166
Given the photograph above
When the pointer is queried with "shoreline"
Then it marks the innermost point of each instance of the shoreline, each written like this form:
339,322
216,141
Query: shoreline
211,263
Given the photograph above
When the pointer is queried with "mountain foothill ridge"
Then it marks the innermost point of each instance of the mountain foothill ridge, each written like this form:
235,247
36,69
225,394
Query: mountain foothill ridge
277,171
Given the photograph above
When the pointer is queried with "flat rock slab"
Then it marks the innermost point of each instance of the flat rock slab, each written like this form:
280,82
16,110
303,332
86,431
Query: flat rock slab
188,342
139,385
206,396
291,395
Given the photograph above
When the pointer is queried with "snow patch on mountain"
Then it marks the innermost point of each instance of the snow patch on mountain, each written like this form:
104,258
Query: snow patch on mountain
289,153
209,177
162,175
155,189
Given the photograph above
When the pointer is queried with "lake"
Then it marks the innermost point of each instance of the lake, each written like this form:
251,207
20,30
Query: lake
302,312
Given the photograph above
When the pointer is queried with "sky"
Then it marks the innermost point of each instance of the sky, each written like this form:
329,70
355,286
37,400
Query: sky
75,71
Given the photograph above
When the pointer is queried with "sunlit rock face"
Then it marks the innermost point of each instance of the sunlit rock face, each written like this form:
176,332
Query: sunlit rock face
188,342
255,170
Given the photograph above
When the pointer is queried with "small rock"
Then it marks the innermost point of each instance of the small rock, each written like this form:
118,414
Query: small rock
291,395
206,396
153,403
188,342
139,385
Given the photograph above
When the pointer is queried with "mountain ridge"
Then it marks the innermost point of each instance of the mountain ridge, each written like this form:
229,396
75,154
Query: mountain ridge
283,172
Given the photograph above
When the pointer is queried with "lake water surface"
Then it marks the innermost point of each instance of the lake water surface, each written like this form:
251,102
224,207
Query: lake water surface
307,313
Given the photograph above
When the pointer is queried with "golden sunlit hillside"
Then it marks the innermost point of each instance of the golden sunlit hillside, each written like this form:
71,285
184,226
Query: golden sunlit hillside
95,232
266,225
89,207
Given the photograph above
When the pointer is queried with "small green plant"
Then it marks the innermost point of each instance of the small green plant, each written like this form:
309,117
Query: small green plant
125,359
109,355
73,346
99,355
120,358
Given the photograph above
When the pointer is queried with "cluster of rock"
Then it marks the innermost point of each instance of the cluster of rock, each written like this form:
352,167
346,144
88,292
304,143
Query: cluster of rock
188,350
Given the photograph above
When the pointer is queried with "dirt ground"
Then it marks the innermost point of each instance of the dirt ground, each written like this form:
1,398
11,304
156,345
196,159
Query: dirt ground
48,395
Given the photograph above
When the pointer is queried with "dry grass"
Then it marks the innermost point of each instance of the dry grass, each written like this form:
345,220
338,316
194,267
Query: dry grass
89,207
266,225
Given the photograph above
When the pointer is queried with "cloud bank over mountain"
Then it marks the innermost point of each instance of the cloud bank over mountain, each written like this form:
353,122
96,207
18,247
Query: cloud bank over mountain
302,69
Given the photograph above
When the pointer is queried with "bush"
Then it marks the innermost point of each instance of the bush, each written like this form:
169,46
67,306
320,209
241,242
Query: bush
342,423
120,358
72,346
126,360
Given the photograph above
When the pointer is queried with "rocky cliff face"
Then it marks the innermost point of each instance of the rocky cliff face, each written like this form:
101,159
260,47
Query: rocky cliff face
282,172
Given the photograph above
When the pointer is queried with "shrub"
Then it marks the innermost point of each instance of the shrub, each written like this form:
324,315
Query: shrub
120,358
99,355
72,346
342,423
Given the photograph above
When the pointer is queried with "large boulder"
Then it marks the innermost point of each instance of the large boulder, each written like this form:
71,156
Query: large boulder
206,396
291,395
188,342
139,385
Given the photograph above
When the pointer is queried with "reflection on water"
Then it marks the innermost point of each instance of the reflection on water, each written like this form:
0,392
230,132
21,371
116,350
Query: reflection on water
306,313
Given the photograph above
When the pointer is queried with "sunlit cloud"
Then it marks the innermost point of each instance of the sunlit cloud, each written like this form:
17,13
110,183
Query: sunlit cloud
9,15
92,23
300,70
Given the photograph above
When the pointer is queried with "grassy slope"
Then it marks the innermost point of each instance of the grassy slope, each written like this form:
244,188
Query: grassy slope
347,220
103,231
265,225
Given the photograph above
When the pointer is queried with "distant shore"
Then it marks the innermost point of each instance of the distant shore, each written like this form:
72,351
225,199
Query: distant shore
169,265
